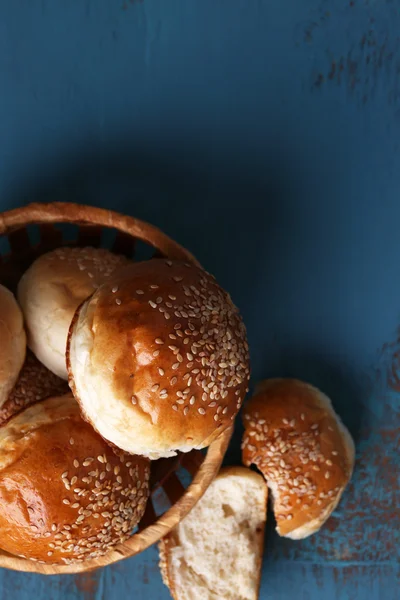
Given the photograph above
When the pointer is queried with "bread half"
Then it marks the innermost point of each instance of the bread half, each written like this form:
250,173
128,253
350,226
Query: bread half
215,553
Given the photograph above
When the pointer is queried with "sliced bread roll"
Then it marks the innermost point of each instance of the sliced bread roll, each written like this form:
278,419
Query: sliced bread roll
216,552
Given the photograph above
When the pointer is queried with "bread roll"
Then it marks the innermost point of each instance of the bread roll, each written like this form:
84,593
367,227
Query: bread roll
50,292
12,343
64,494
215,553
35,383
293,435
158,359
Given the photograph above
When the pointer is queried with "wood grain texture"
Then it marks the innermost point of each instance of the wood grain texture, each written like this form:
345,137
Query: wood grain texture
264,136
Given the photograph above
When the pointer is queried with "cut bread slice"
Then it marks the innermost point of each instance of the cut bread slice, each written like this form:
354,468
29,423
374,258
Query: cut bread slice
216,552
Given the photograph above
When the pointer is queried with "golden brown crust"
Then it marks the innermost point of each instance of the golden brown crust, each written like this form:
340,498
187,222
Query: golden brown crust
83,499
297,441
35,383
164,548
12,343
176,349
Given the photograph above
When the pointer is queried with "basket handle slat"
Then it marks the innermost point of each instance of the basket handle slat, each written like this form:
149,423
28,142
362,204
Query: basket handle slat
89,236
19,240
50,236
173,488
149,516
193,461
161,470
124,244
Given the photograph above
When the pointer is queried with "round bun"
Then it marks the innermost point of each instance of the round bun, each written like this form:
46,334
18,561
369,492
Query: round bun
306,454
50,292
12,343
35,383
83,500
158,359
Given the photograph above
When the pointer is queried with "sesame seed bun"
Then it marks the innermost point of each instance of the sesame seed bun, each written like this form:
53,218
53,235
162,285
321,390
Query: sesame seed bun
12,343
158,359
50,292
35,383
306,454
82,501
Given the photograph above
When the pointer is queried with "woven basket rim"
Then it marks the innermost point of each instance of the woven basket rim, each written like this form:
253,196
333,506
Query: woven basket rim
82,214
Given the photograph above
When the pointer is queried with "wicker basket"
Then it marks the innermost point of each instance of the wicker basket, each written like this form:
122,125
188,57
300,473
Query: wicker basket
20,226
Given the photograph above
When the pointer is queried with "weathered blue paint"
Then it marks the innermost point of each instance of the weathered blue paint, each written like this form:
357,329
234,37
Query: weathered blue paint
264,135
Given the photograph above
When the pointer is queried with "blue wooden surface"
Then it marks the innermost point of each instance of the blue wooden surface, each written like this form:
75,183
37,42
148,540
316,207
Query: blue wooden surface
264,135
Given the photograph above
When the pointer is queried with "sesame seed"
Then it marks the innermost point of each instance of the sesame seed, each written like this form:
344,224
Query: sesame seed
101,459
192,400
118,301
173,380
186,410
140,292
174,407
156,353
66,501
334,453
152,304
329,462
161,371
76,463
175,366
115,289
201,411
158,341
134,400
71,441
155,387
327,475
